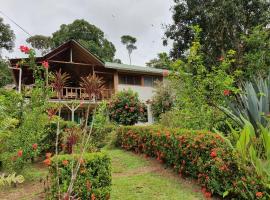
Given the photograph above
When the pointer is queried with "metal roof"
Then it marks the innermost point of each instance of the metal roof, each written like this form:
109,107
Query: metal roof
133,68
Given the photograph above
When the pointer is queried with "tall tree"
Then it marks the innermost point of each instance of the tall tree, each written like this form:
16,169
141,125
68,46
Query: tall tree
129,41
162,61
85,33
222,22
7,36
40,42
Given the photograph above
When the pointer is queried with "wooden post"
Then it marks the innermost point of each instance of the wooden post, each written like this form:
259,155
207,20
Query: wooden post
115,81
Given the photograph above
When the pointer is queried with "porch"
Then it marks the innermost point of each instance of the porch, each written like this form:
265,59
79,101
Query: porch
78,93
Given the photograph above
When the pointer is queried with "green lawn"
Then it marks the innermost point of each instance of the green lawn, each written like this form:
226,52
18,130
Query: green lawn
137,178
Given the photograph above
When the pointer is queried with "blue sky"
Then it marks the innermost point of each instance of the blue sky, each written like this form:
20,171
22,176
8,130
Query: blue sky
142,19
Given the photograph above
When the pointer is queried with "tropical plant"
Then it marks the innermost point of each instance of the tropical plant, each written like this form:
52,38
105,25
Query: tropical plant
252,104
93,86
7,36
162,61
59,81
125,108
129,41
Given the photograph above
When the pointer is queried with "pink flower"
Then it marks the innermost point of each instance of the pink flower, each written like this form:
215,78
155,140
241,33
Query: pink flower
45,64
24,49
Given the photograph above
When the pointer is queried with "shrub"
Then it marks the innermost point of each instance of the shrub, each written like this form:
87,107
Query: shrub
93,180
201,155
126,108
163,99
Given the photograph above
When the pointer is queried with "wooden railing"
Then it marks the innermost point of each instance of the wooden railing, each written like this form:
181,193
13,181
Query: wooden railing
77,93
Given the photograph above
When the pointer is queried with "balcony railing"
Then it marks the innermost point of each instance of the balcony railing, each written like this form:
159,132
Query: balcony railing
77,93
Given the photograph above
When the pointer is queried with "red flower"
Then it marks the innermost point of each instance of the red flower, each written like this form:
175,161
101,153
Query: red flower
213,154
65,162
24,49
48,155
20,153
47,162
45,64
226,92
207,194
259,194
35,146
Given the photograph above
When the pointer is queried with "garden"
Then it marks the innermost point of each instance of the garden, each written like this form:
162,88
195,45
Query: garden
211,133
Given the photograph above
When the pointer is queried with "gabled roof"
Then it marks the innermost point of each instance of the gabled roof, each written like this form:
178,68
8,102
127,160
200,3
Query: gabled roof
133,68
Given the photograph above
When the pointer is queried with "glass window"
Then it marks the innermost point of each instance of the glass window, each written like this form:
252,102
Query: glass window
129,79
151,80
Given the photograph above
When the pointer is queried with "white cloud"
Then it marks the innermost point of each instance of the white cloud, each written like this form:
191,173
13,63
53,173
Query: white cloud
139,18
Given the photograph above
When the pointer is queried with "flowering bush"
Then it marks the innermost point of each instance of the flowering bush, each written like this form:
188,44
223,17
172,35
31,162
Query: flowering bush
126,108
93,180
202,155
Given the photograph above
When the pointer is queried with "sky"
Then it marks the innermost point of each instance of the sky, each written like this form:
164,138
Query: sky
142,19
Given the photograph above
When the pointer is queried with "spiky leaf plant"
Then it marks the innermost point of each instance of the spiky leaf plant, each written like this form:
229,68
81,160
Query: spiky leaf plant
59,81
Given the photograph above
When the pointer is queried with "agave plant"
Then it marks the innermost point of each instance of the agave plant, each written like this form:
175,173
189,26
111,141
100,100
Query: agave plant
93,85
60,80
253,104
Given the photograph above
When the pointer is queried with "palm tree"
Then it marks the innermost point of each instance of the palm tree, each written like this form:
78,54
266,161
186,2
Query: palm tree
129,41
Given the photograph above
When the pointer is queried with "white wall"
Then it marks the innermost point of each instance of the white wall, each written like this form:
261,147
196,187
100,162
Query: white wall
144,93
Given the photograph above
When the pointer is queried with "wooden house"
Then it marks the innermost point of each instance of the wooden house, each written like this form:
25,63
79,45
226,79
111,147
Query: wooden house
78,62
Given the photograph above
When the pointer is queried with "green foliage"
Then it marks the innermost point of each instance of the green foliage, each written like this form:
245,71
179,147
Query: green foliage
125,108
102,127
198,91
11,178
40,42
222,22
163,98
162,61
7,36
5,74
93,180
88,35
252,103
201,155
256,59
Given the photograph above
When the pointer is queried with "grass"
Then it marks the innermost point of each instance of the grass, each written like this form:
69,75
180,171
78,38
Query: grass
137,178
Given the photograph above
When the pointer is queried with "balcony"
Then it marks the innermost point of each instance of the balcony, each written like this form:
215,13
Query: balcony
77,93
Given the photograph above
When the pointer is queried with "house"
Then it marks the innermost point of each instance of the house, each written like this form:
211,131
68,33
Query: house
78,62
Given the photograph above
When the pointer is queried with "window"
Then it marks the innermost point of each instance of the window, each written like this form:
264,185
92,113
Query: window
149,81
129,79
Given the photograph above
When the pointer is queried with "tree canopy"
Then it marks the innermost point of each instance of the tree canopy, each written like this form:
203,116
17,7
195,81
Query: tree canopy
222,22
129,41
162,61
82,31
7,36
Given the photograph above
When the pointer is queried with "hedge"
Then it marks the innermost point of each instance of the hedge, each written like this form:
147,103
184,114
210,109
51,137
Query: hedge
201,155
93,180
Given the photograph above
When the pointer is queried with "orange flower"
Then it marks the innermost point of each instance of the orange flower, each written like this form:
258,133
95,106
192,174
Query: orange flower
20,153
259,194
65,162
47,162
35,146
226,92
48,155
93,197
213,154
